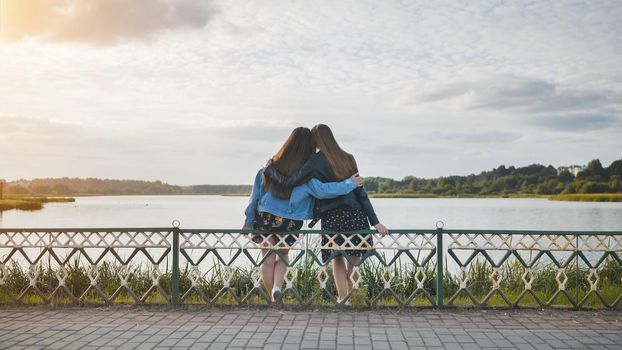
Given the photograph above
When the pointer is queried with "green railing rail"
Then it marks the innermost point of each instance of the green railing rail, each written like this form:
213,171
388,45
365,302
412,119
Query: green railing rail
409,268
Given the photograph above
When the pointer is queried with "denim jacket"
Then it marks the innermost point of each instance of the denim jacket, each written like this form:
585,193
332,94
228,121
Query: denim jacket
317,167
300,204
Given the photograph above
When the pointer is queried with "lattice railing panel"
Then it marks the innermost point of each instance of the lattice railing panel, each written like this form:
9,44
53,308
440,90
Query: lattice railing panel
544,269
217,259
83,266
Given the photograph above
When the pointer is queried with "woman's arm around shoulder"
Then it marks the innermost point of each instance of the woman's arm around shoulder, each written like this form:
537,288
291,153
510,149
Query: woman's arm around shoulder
303,175
325,190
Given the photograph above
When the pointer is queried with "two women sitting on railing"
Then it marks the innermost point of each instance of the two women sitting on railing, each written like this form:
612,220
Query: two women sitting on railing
283,195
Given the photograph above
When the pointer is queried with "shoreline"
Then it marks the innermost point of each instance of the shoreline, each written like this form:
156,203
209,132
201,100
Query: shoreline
576,197
30,203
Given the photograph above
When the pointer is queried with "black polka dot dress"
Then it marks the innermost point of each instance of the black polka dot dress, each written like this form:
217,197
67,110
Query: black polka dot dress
345,219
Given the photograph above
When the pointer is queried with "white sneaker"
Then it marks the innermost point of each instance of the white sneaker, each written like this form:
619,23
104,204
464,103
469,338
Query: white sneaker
346,303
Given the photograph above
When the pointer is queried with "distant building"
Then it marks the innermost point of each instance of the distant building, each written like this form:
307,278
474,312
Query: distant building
573,169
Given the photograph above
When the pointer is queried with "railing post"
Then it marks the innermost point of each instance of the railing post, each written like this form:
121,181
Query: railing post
576,274
439,267
175,276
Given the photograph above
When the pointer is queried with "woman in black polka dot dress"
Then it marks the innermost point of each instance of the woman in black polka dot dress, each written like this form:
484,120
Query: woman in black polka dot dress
344,214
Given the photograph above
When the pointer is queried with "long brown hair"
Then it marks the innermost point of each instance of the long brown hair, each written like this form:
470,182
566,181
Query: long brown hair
341,162
289,158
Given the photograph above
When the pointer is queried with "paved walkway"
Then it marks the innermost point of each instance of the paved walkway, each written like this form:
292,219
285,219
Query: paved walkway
115,328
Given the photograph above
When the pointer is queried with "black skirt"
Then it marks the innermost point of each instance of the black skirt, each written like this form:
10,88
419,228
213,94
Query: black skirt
345,219
269,222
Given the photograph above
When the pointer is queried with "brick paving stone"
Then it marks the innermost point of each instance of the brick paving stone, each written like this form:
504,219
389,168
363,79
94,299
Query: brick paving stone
218,346
76,328
327,344
309,344
156,338
146,346
502,343
452,346
484,342
470,346
362,341
381,345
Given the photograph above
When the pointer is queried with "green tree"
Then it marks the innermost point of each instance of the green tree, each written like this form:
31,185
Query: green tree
17,189
41,189
615,183
565,176
61,189
370,184
594,187
593,172
615,168
412,185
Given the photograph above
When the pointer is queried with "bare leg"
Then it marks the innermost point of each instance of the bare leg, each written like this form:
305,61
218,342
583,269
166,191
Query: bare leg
339,274
267,270
280,268
350,273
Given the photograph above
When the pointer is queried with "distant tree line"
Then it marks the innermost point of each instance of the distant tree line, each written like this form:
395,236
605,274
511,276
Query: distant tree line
532,179
218,189
92,186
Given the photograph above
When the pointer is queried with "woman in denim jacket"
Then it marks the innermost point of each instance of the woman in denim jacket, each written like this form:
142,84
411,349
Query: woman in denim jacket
275,209
350,212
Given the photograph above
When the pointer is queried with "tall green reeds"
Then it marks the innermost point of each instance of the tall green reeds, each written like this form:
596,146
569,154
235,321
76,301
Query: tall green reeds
403,278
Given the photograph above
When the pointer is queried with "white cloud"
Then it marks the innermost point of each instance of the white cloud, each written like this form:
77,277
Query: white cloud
503,93
100,22
578,122
445,88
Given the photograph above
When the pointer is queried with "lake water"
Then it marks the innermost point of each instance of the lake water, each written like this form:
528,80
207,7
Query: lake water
218,212
228,212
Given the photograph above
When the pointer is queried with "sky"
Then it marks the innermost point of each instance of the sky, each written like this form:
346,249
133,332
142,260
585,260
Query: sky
204,91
